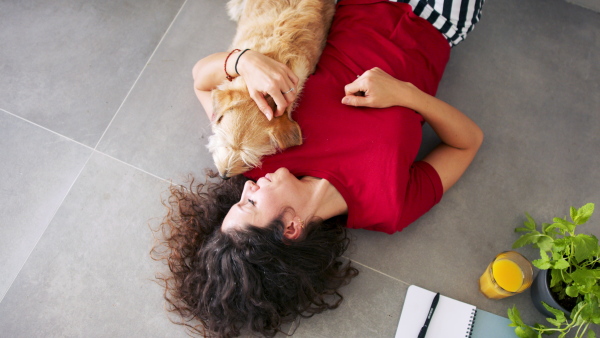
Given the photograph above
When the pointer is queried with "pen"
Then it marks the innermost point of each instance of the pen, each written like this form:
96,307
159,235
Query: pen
423,331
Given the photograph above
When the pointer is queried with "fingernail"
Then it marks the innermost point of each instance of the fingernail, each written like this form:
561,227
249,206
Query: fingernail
345,100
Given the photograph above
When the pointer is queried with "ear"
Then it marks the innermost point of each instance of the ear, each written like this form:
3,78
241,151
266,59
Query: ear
294,229
221,98
217,114
284,132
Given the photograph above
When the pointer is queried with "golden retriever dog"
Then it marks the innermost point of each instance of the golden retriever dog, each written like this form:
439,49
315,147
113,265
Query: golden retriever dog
292,32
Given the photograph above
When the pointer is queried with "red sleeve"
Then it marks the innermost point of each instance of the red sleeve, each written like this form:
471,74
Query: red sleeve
424,190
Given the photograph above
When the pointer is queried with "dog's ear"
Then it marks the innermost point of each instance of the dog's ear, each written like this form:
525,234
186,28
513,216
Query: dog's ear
285,133
218,100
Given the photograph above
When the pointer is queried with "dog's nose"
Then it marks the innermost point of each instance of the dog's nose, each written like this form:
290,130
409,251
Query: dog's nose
224,176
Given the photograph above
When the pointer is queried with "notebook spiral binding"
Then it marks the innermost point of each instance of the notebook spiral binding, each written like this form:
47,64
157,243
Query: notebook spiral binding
471,322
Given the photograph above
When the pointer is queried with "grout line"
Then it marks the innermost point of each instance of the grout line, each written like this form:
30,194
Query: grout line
294,323
91,153
46,129
134,167
48,224
383,273
140,75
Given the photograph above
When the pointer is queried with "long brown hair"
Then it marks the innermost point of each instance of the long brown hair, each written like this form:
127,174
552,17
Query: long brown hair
224,283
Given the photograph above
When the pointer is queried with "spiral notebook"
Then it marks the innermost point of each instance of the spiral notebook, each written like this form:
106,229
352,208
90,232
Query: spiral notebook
451,319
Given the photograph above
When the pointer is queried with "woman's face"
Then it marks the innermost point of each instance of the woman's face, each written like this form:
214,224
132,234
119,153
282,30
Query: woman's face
263,201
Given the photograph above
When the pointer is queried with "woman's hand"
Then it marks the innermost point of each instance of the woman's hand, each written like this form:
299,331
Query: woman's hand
460,136
263,76
377,89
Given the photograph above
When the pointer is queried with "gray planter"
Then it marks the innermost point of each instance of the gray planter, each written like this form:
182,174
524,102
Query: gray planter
540,292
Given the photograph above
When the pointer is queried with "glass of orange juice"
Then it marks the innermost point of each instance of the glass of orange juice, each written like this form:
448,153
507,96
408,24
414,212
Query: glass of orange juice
508,274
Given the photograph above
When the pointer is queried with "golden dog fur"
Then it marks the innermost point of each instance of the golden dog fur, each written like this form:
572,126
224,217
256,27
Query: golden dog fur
292,32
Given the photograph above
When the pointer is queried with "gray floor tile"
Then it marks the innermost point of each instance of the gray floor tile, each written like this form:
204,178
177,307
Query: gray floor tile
68,64
529,78
162,113
37,168
91,274
589,4
371,308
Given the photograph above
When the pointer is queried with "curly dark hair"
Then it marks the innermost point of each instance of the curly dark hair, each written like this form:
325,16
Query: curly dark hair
252,279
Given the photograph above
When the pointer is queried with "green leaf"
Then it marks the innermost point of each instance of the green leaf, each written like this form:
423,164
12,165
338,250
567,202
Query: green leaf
556,277
530,238
591,334
538,263
586,247
572,291
583,214
525,332
515,317
557,255
530,222
560,244
554,322
562,224
559,315
567,278
544,262
591,312
521,329
584,276
545,243
561,264
573,213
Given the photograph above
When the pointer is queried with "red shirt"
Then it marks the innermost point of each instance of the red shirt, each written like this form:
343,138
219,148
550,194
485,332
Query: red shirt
368,154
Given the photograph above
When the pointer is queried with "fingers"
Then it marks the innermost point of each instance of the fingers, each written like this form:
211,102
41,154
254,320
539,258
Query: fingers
265,76
287,91
293,78
281,102
354,87
363,81
358,92
284,97
357,101
262,104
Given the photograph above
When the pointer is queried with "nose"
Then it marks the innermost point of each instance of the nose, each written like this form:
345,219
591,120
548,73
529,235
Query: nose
224,176
251,185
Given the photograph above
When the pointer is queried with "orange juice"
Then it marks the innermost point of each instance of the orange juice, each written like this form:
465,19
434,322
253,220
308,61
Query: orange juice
489,288
507,274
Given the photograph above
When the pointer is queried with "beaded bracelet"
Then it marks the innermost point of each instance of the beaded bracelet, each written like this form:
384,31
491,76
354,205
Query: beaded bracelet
227,76
238,59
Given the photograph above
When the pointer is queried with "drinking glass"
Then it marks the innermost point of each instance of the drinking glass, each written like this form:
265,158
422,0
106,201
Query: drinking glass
508,274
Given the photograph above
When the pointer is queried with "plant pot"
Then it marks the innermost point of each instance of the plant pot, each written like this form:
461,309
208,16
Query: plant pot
540,292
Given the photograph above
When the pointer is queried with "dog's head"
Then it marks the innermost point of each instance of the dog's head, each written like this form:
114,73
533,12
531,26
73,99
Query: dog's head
242,134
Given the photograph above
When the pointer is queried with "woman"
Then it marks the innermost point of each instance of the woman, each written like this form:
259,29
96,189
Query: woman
256,251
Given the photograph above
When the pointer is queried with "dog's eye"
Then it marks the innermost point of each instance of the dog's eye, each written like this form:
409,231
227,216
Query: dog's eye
219,119
252,202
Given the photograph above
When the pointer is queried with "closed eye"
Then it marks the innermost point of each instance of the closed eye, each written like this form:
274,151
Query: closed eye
252,202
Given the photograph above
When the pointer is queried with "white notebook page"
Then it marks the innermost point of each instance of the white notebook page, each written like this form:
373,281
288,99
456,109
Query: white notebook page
451,319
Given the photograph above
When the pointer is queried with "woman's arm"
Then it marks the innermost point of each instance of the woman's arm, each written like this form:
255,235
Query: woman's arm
262,75
460,136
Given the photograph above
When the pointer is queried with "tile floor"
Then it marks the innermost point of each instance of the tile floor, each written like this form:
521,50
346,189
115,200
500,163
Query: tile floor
97,117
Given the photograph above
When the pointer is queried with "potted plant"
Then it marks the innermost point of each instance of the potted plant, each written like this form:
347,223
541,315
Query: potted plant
570,269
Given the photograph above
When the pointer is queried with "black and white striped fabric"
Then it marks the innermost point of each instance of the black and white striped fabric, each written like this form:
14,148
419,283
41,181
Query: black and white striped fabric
453,18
